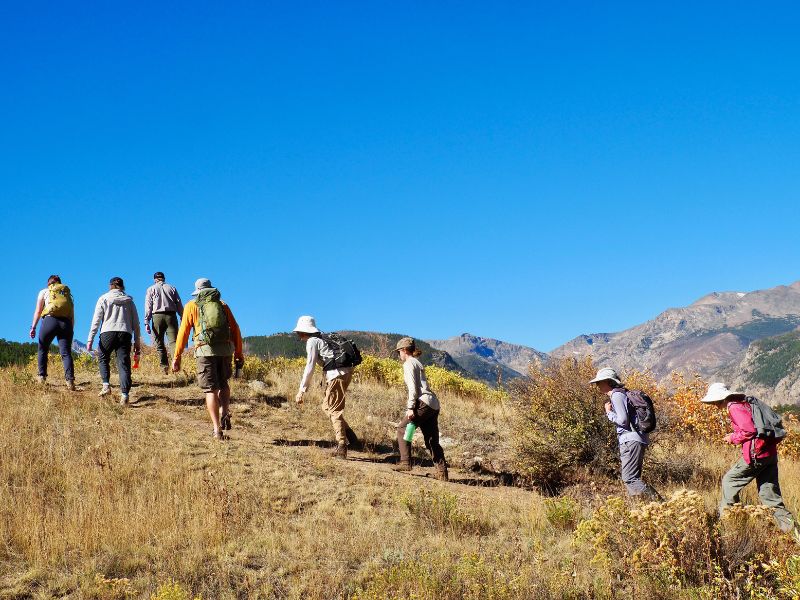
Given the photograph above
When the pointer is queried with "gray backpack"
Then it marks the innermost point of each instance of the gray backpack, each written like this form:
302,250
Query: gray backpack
768,423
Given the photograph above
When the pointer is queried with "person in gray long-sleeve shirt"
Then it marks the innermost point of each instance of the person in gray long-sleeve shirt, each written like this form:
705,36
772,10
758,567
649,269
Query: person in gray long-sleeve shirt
163,305
632,444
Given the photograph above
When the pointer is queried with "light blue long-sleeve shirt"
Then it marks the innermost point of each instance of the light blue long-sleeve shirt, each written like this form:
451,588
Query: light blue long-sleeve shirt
619,416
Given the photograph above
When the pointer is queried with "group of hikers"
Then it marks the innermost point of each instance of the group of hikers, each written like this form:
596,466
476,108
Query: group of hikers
218,344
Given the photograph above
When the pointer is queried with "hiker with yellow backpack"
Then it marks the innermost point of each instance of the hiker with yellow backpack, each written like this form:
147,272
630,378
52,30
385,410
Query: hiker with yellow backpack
216,339
56,308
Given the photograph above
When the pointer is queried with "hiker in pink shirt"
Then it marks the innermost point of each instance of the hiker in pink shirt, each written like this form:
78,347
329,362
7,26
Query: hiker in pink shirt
759,458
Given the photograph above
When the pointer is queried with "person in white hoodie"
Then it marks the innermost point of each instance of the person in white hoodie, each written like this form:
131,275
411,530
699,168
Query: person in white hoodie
117,314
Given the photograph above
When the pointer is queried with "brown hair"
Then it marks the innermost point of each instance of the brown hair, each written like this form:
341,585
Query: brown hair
412,350
53,279
116,282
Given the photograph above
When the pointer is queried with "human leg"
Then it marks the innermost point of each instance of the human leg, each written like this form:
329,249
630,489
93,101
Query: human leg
65,334
333,405
769,491
105,347
123,348
632,459
738,476
159,331
47,333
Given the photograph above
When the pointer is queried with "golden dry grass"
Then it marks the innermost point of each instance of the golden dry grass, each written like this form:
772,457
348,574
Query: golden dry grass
101,501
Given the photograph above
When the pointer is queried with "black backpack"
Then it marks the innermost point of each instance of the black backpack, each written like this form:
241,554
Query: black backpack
768,423
641,406
345,352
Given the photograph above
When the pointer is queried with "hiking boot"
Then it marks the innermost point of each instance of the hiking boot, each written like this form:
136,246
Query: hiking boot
123,399
352,440
402,466
105,391
225,422
441,472
340,452
71,385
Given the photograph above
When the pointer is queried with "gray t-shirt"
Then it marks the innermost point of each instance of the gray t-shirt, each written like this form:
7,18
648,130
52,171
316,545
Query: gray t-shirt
417,384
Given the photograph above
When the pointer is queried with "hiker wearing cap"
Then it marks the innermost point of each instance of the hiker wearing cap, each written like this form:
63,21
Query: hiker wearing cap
117,314
632,444
759,458
162,304
337,381
55,307
422,409
216,339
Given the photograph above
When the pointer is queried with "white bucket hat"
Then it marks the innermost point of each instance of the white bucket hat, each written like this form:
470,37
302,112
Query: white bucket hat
607,374
717,392
306,324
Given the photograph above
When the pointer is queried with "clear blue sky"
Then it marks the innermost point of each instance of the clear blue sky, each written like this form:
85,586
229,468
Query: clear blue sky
524,171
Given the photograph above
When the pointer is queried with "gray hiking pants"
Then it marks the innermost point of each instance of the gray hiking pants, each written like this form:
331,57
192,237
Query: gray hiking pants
631,456
765,472
165,324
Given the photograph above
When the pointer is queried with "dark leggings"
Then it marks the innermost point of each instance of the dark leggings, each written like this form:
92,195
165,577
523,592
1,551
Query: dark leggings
52,328
427,420
121,342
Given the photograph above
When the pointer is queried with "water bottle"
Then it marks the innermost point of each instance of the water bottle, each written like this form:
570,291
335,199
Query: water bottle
410,429
135,360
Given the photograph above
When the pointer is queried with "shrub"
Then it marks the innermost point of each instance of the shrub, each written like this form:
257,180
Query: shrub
172,591
562,513
440,511
560,424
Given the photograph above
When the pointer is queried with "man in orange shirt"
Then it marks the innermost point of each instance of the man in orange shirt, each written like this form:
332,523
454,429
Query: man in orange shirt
216,339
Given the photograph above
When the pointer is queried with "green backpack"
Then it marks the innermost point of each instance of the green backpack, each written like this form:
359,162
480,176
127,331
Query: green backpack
212,320
60,302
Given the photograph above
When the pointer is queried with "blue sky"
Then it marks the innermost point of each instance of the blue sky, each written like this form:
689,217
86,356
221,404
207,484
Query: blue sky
524,171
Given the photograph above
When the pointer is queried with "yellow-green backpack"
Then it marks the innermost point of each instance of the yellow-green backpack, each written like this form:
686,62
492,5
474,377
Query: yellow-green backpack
60,302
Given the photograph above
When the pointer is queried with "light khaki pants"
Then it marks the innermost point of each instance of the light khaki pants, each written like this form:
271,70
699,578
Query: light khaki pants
333,405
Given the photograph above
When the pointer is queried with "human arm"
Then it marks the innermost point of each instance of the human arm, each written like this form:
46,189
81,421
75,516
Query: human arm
97,318
617,413
148,308
312,354
742,422
412,384
187,322
137,329
37,312
236,335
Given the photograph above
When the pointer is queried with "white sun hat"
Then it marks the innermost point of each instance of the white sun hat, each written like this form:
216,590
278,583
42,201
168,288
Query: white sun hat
306,324
717,392
606,374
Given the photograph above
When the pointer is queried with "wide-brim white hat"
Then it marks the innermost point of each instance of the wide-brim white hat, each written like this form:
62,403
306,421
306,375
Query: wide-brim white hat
717,392
306,324
607,374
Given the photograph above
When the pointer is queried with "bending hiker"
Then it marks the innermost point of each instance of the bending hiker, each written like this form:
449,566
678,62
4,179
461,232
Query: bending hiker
162,304
54,305
120,324
759,458
319,351
632,443
422,409
216,339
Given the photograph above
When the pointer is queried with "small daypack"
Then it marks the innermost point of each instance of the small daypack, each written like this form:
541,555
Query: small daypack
640,405
768,423
345,352
60,302
212,320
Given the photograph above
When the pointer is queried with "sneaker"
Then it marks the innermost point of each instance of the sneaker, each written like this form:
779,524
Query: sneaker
123,399
340,452
105,391
71,385
441,472
225,422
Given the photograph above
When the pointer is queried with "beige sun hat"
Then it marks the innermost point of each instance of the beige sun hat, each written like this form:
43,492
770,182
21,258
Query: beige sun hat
204,283
607,374
406,342
717,392
306,324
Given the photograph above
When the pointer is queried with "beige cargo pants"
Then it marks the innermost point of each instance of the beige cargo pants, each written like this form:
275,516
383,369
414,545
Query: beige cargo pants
333,405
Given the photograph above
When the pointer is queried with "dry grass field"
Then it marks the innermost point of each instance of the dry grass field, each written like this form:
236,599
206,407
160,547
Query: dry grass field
103,501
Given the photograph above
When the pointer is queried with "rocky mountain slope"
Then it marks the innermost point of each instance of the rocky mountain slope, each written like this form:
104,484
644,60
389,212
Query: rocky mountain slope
710,336
489,357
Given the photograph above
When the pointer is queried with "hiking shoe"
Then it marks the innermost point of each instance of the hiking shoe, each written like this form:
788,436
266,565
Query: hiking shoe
123,399
441,472
225,422
340,452
218,435
402,467
71,385
105,391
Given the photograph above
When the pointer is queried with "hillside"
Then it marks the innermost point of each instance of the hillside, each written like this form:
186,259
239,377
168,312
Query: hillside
710,336
487,357
377,344
770,369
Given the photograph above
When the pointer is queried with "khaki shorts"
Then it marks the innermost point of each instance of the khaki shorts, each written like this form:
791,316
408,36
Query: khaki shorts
213,372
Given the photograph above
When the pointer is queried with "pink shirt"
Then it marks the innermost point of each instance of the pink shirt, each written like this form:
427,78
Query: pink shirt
744,433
